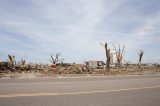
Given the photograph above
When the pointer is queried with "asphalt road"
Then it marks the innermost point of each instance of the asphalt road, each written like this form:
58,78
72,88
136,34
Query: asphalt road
81,91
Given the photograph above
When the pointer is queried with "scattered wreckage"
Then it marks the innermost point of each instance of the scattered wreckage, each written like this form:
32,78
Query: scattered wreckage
68,68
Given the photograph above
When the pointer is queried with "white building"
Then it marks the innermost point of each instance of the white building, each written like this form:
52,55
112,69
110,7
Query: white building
113,58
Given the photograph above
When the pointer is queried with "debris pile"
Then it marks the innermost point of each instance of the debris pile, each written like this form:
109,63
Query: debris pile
71,69
12,66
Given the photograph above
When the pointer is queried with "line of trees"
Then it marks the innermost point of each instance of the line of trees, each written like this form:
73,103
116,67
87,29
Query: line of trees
119,52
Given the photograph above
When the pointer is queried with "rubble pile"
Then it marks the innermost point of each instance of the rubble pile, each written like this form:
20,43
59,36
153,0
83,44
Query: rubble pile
71,69
6,67
91,67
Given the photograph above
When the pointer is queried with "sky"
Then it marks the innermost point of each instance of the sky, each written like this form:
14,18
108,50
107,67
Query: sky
35,29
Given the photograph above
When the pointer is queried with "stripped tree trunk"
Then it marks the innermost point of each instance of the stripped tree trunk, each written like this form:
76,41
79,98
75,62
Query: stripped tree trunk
108,57
140,54
11,60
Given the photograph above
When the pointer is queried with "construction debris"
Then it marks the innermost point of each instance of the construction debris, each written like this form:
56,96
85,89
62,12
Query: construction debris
57,67
95,64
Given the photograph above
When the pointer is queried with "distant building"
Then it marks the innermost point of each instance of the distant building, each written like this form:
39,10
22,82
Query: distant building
101,64
94,64
113,58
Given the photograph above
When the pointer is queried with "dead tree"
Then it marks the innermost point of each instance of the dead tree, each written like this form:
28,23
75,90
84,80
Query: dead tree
55,59
108,56
119,54
127,63
23,60
11,60
140,55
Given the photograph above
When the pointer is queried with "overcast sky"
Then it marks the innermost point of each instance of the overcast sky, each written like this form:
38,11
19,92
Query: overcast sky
75,28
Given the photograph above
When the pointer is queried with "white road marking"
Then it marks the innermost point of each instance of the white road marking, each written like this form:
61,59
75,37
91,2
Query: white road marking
73,93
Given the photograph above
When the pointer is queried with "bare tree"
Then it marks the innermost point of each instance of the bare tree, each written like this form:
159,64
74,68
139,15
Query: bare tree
55,59
140,55
126,63
23,59
108,56
119,54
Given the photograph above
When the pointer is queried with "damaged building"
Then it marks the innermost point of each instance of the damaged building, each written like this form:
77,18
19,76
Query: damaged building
94,64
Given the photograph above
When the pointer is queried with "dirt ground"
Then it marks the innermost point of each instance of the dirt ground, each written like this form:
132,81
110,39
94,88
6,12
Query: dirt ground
81,72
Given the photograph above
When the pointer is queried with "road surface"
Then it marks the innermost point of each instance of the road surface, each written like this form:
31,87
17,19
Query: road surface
81,91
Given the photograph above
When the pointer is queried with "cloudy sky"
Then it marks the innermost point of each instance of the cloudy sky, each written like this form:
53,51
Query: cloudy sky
75,28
